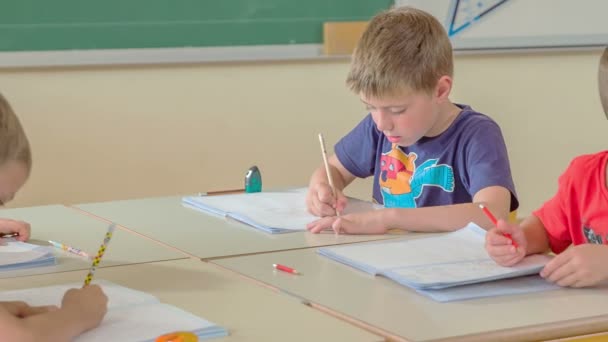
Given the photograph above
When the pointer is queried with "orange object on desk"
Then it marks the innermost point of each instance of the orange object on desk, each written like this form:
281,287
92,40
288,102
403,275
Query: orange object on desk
179,336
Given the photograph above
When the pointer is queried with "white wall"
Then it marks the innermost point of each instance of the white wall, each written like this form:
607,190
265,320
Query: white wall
114,133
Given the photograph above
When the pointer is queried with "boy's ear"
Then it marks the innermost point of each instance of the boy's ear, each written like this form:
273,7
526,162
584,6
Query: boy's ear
603,88
602,81
443,88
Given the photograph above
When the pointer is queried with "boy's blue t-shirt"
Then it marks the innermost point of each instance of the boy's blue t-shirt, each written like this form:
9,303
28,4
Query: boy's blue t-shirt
447,169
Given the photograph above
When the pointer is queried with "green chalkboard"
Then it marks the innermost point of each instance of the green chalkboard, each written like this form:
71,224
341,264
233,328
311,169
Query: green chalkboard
45,25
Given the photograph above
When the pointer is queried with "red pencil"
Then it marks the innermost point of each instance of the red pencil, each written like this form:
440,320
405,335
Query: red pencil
493,219
285,268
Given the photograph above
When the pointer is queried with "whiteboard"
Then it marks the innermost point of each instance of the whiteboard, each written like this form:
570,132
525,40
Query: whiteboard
515,24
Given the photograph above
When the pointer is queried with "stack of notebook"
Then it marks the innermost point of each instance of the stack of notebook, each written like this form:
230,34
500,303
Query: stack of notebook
16,255
447,267
132,315
271,212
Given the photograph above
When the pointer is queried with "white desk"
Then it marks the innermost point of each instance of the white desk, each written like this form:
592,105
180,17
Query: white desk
250,312
205,236
400,313
72,227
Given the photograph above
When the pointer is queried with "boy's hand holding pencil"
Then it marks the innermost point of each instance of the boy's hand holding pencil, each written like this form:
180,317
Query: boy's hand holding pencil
506,243
323,202
324,198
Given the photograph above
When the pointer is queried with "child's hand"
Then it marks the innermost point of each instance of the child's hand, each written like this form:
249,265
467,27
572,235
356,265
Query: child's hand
87,305
501,248
369,222
23,310
8,226
321,202
578,266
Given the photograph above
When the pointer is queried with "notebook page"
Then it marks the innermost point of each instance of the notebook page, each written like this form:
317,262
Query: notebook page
144,323
463,244
284,210
16,252
439,275
118,296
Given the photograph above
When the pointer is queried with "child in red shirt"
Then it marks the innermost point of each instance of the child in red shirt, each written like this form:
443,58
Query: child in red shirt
576,217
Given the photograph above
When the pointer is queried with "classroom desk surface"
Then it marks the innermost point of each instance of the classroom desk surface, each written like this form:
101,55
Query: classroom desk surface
203,235
72,227
401,313
250,312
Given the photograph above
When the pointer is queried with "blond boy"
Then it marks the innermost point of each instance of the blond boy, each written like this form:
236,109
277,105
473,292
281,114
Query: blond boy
431,159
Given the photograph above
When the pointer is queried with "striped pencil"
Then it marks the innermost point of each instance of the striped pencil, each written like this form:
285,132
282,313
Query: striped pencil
100,253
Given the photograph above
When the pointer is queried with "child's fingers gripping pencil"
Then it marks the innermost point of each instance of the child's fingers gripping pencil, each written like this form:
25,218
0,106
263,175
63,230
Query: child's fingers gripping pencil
8,235
100,253
495,222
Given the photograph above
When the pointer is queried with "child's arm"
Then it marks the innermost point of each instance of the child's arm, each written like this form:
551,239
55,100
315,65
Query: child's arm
8,226
426,219
452,217
22,309
81,310
578,266
320,199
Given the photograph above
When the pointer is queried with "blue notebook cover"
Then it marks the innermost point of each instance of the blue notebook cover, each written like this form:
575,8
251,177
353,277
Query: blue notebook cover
15,255
502,287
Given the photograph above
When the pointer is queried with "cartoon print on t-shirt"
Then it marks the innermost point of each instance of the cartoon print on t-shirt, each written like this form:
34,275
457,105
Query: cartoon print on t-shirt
402,181
591,236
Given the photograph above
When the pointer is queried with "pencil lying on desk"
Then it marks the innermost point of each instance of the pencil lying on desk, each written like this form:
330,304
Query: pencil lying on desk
100,253
221,192
69,249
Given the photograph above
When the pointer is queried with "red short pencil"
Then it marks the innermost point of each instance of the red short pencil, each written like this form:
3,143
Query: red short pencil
285,268
493,219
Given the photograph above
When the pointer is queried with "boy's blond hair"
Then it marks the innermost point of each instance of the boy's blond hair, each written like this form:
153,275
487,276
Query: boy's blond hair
401,49
602,78
14,145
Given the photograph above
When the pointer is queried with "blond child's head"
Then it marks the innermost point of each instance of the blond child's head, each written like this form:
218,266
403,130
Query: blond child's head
602,77
402,70
15,154
402,49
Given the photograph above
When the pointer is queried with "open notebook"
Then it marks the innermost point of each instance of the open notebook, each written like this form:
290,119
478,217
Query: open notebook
132,315
17,255
272,212
431,264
